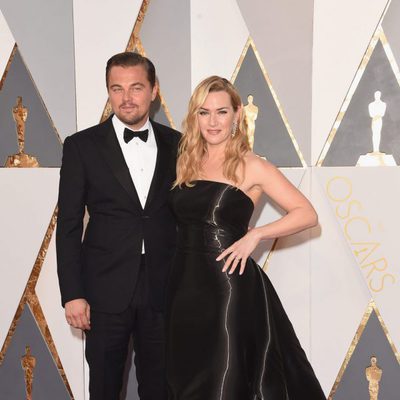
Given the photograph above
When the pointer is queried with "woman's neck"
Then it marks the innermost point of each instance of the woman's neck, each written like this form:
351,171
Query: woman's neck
215,153
213,164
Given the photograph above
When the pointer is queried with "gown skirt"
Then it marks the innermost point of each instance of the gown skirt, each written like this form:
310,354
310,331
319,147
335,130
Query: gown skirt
228,336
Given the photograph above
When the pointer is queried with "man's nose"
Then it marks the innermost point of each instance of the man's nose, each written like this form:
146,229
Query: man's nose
126,95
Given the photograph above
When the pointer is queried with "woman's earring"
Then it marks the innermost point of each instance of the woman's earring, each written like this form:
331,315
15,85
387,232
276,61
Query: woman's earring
234,128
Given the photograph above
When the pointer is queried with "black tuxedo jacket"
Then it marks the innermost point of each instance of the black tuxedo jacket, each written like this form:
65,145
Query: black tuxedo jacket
103,266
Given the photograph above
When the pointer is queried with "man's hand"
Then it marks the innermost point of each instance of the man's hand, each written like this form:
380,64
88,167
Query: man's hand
77,314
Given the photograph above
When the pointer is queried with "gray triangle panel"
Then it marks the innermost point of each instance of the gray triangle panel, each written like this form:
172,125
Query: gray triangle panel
283,33
41,139
157,112
165,35
47,383
373,342
44,32
391,28
271,138
354,135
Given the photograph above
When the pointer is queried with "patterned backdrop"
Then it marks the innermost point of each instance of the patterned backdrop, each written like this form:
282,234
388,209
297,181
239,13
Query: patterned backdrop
321,84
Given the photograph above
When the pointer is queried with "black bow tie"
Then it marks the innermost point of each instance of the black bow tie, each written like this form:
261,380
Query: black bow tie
129,135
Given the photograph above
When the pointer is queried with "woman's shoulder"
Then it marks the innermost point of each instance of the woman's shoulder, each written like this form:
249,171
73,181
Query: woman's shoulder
259,172
255,163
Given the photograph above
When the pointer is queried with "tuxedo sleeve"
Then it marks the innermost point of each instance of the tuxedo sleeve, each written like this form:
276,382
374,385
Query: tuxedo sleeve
71,209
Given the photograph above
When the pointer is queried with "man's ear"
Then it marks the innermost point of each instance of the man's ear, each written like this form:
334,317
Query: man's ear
154,91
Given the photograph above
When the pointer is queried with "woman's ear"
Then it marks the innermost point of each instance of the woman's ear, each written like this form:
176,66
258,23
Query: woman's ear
238,113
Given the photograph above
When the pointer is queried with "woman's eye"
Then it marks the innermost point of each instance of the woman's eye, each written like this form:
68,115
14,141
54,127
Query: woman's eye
202,112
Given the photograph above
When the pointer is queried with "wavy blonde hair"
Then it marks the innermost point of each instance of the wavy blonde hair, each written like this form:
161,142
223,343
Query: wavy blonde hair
192,147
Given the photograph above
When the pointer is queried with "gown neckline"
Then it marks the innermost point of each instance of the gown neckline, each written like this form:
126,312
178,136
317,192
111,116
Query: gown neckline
229,185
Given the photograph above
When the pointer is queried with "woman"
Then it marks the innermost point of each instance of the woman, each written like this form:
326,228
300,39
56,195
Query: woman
228,336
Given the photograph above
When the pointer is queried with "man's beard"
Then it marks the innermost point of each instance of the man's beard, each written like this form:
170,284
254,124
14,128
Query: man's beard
134,120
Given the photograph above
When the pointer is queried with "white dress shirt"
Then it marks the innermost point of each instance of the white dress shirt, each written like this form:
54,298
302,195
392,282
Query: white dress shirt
140,157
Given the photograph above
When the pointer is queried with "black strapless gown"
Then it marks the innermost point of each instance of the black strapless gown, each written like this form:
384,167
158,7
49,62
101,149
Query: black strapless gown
228,336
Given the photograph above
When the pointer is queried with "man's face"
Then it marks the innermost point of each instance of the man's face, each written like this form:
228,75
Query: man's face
130,94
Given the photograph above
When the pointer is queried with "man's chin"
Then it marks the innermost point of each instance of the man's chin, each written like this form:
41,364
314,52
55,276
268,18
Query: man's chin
133,121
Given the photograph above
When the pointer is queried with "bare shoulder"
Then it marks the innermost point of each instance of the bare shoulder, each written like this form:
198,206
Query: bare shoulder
258,166
264,176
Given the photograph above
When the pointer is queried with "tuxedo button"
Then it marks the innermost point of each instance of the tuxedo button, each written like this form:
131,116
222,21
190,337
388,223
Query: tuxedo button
145,217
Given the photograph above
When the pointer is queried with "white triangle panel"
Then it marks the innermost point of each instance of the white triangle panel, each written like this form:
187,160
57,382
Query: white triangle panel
289,269
68,341
339,295
29,197
7,42
219,35
102,29
365,203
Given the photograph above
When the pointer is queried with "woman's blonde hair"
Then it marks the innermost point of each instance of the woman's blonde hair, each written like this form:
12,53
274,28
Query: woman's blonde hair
192,147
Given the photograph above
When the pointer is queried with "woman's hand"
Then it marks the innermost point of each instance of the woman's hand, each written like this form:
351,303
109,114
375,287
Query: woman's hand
240,251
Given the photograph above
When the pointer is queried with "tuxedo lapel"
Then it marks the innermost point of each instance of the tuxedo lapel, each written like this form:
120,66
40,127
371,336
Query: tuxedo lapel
108,144
164,152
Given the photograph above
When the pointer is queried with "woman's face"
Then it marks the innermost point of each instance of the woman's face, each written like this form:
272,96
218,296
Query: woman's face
216,117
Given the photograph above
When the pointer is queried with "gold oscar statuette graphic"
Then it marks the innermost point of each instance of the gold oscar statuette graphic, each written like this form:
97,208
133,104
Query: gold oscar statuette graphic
28,363
21,159
251,112
373,374
377,110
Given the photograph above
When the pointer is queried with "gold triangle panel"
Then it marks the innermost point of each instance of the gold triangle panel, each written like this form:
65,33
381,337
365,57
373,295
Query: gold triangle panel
12,55
29,297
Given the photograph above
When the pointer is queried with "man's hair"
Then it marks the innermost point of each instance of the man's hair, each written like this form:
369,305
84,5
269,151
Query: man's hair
130,59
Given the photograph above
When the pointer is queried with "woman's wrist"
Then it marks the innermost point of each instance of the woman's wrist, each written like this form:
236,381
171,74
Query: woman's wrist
257,234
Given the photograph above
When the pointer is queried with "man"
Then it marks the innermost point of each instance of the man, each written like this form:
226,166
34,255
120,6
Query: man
113,281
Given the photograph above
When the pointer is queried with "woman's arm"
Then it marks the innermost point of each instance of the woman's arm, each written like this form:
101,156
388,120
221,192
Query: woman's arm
262,175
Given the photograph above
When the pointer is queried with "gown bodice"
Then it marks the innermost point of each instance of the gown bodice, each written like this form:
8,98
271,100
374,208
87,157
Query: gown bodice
211,215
